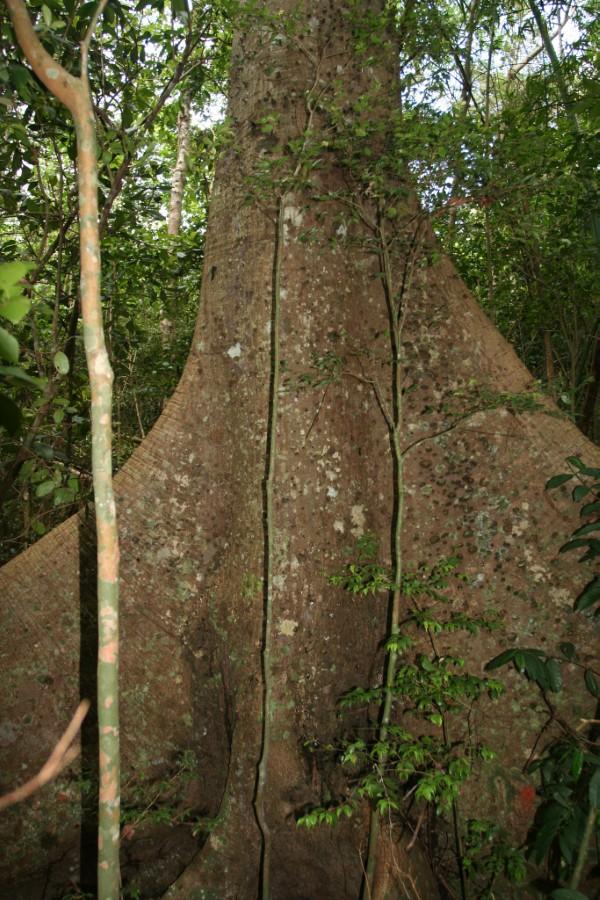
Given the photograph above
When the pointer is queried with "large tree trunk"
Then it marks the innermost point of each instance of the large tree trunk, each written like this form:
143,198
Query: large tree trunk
196,541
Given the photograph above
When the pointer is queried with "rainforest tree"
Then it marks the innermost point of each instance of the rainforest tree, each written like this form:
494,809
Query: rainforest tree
342,383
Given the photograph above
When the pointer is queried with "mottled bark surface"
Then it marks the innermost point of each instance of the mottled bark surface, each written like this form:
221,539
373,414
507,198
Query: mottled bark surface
192,527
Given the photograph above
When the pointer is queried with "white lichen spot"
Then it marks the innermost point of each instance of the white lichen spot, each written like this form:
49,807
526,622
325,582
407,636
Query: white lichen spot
235,351
215,842
287,627
561,596
357,515
331,492
279,582
52,73
519,528
294,564
338,526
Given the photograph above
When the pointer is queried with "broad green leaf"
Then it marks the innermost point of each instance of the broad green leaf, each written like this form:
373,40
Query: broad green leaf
61,362
9,346
46,15
22,375
15,309
12,272
590,508
500,660
63,495
587,529
579,492
573,545
557,480
45,488
551,818
535,669
589,596
10,415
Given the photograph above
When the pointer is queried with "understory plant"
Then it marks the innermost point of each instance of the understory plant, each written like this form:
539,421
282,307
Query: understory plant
428,752
567,822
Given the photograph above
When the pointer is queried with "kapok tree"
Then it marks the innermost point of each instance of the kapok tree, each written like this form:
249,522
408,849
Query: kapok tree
341,383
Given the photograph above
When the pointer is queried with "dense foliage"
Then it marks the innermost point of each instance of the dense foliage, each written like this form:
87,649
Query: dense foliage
148,56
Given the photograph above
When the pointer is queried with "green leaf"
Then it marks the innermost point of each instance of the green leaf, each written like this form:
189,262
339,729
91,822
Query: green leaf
46,15
10,415
557,480
45,488
15,308
587,529
535,669
11,273
554,675
9,346
61,362
573,545
500,660
568,650
567,894
63,495
551,818
591,683
22,375
579,492
590,508
576,763
594,790
589,595
576,462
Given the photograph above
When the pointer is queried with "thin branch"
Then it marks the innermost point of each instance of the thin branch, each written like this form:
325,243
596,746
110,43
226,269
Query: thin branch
61,756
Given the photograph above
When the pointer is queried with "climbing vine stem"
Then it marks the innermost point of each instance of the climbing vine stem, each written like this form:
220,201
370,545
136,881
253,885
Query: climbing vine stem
395,311
74,93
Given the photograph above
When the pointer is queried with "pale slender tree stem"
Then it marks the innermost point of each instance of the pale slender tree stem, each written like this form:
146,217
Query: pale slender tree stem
180,169
74,93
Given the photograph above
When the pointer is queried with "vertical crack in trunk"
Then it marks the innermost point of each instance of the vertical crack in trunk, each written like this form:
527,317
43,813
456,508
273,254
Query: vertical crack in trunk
268,538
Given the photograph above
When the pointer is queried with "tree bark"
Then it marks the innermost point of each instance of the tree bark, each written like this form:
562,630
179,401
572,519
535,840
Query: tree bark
228,619
180,169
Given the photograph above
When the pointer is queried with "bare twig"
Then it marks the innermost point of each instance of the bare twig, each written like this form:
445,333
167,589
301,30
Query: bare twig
61,756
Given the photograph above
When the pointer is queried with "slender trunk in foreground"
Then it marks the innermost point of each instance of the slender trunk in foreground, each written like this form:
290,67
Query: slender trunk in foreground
74,93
